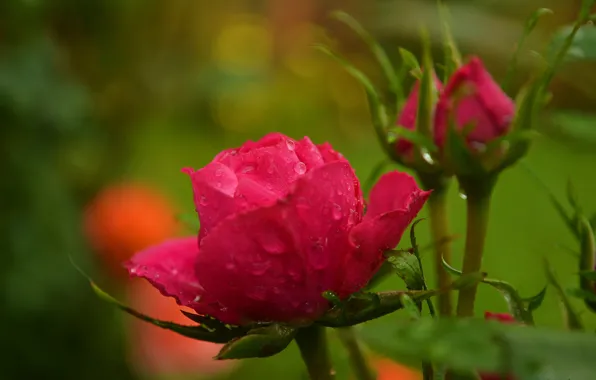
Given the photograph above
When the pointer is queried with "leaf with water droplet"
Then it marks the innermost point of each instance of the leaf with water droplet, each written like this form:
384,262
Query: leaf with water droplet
260,342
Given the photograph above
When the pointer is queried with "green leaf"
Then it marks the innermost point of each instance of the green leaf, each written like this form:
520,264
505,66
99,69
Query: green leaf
535,302
572,318
583,294
210,330
190,221
531,23
410,306
452,54
409,60
407,268
587,246
520,308
259,342
379,53
362,307
572,196
472,344
377,109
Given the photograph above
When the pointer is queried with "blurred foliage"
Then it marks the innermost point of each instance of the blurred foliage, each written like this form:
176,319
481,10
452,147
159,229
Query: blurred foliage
97,91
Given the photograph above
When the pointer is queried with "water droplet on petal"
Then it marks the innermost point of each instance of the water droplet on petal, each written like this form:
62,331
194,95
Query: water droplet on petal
230,266
218,173
260,268
317,257
300,168
257,293
291,145
272,244
203,200
197,298
248,169
340,191
294,274
336,212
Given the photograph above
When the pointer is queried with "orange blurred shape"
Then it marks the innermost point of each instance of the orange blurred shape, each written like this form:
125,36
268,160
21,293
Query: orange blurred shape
126,218
155,351
390,370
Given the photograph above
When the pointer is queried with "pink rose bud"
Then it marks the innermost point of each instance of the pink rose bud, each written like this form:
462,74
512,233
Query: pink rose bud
503,318
281,222
472,96
407,115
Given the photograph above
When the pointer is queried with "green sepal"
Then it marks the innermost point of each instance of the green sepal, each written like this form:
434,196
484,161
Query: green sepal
458,156
531,23
572,318
452,55
421,141
362,307
410,62
520,308
395,84
379,116
587,261
209,330
260,342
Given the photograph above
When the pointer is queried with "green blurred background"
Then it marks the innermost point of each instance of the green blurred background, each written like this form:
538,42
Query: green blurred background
102,92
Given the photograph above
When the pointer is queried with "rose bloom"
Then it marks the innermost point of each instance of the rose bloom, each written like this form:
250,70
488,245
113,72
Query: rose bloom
282,221
472,96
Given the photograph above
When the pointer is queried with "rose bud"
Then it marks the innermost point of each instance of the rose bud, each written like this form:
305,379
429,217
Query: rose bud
408,116
471,96
502,318
281,222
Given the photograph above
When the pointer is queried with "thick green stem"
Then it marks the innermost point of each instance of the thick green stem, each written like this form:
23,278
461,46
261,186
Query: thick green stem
478,203
440,235
312,342
439,227
357,359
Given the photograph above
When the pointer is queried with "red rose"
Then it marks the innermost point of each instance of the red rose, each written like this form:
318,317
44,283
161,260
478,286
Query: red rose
281,222
408,115
472,96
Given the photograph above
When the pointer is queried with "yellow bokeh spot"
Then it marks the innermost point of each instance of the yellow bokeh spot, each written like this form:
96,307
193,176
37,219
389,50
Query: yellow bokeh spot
244,44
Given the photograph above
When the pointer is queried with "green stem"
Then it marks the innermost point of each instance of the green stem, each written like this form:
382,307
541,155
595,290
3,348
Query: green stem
357,358
312,342
478,205
439,228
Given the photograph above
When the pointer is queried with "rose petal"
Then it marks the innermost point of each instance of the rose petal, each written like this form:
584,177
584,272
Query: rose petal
273,263
395,202
213,187
308,153
393,191
169,267
328,154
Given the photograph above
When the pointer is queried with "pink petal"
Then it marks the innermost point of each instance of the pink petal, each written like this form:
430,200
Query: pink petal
328,154
395,202
169,267
273,262
214,187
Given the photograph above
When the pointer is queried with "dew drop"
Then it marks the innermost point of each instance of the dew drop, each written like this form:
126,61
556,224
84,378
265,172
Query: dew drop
300,168
197,298
247,169
291,145
257,293
272,244
340,191
463,195
317,256
427,157
336,212
203,200
218,173
260,268
174,271
230,266
133,270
